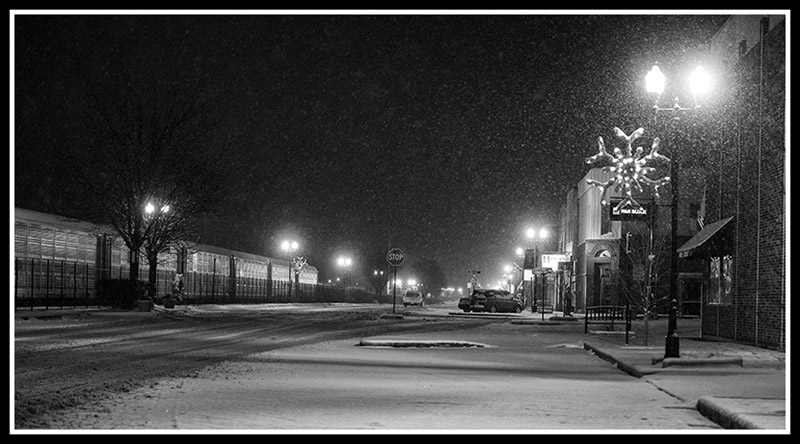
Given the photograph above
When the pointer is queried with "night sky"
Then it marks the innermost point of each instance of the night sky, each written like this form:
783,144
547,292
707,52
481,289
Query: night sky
444,134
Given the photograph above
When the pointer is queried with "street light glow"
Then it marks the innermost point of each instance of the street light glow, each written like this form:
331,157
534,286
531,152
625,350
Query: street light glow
344,261
289,245
543,233
655,80
150,208
700,81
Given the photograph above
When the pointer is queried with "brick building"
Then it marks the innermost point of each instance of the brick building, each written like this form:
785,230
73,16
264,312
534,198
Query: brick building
731,212
743,242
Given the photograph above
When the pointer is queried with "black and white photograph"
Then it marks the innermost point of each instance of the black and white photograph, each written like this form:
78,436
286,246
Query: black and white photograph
399,222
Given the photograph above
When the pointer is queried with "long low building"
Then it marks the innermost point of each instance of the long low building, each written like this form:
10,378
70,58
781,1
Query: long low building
57,257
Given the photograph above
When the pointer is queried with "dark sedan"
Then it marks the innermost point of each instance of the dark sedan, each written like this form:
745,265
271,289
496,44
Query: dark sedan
492,301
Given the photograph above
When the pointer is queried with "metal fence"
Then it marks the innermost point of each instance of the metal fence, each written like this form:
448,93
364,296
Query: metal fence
51,284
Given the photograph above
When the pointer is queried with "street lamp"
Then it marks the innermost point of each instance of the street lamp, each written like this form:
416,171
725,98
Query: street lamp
699,83
521,254
345,263
535,236
377,273
155,239
290,246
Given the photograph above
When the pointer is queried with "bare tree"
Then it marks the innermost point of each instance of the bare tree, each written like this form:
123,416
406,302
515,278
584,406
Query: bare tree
149,165
647,255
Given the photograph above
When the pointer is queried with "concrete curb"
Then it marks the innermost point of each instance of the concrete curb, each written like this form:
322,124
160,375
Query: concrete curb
737,413
641,370
626,367
702,361
540,322
726,419
391,316
419,343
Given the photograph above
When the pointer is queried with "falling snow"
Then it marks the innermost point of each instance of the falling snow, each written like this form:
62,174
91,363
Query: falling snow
445,135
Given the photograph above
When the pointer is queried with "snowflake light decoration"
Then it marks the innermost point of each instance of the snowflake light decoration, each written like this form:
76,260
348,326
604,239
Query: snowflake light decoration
629,169
298,264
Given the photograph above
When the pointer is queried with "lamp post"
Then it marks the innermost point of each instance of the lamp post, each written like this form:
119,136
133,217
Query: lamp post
521,254
655,82
377,273
535,236
345,263
507,276
154,242
290,247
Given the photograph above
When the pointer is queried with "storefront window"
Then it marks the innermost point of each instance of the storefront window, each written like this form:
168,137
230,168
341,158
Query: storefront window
713,281
720,280
727,280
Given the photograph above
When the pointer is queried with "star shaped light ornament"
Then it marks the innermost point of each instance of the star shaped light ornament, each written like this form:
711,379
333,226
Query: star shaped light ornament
298,264
629,169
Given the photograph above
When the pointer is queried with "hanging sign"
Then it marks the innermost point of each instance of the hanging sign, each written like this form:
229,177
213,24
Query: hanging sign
630,210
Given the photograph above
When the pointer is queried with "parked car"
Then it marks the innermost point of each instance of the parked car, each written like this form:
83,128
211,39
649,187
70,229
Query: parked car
492,301
413,298
465,303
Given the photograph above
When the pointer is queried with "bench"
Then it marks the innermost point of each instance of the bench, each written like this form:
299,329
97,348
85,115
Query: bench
608,315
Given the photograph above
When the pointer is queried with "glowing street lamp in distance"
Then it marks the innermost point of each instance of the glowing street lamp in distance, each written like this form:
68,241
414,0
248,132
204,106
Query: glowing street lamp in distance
543,233
150,208
289,246
344,261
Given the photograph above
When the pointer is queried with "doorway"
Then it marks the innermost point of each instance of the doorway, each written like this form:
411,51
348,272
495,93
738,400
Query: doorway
603,288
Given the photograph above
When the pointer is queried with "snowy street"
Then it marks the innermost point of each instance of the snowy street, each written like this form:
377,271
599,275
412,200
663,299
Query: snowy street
295,368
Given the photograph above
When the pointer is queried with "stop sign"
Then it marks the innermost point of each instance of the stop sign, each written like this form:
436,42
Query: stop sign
395,256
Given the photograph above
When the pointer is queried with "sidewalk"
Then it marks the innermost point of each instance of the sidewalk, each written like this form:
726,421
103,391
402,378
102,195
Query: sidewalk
737,386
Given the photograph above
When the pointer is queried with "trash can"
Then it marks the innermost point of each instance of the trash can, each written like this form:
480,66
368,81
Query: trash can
144,305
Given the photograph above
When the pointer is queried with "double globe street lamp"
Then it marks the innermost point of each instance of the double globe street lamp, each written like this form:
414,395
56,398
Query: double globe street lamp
291,246
536,236
345,263
699,84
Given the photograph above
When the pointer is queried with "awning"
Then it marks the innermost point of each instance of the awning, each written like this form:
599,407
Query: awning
703,238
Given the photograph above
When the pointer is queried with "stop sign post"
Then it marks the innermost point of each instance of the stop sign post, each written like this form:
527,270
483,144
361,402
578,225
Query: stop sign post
395,256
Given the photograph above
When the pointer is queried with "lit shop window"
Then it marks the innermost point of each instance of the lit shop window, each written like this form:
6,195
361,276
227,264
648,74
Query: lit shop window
720,281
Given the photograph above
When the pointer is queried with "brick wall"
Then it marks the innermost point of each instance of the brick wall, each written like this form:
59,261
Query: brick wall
747,180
